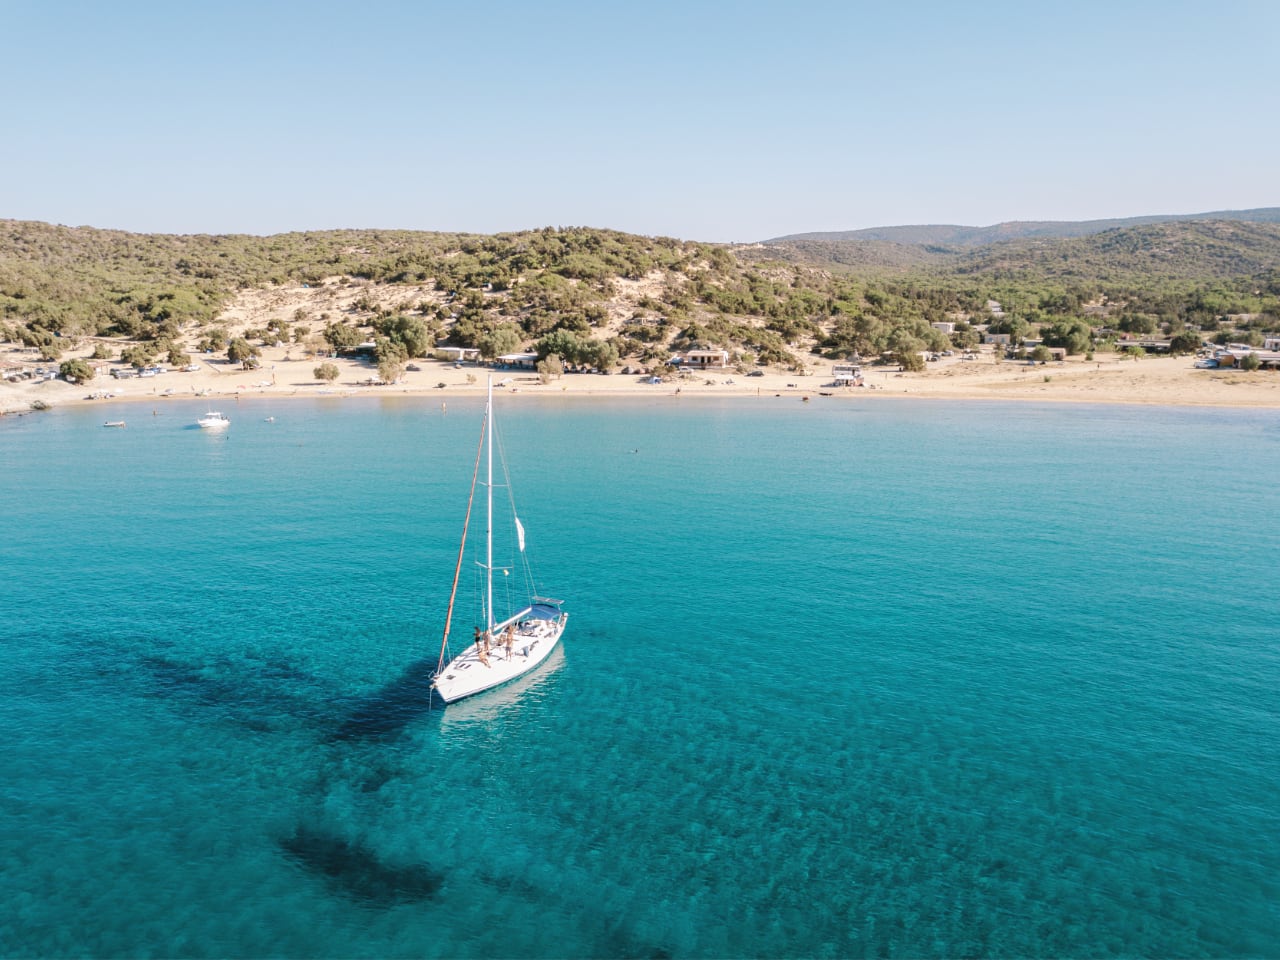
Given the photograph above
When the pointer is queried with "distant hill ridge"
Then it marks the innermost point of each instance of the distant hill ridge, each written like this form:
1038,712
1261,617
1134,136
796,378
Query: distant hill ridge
957,236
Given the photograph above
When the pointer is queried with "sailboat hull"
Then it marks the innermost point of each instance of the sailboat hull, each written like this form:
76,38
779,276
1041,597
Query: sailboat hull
469,673
519,643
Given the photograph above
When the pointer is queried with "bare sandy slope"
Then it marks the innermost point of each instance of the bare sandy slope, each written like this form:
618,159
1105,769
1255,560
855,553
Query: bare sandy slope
287,370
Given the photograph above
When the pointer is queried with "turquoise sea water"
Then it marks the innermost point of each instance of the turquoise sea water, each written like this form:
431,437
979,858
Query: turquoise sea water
891,679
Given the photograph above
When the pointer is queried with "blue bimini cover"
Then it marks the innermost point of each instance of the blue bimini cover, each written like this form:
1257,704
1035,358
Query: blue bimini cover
543,611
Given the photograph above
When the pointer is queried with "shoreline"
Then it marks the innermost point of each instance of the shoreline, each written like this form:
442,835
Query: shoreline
287,369
1152,381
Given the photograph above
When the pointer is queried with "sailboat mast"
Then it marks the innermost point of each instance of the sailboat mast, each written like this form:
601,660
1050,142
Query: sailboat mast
488,566
462,549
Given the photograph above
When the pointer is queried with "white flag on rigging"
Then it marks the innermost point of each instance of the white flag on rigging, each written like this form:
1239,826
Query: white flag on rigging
520,534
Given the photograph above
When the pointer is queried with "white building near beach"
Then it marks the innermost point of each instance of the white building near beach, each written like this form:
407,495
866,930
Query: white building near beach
846,375
520,361
705,358
458,354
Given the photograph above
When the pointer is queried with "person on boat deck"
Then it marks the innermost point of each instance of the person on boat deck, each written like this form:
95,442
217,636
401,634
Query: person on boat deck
482,646
509,637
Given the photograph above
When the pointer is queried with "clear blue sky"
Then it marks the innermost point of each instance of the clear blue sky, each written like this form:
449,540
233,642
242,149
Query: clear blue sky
710,121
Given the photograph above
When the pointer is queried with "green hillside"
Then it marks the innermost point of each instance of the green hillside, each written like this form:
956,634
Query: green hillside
953,236
602,298
1189,250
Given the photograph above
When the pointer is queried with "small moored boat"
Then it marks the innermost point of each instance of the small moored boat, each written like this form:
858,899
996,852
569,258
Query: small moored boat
213,420
114,423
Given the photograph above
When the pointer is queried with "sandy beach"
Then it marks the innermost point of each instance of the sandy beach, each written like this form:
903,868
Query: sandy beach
288,370
1107,379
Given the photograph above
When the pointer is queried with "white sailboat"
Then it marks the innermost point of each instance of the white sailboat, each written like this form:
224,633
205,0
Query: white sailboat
506,648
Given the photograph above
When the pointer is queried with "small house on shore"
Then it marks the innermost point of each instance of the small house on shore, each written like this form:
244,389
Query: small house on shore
1234,355
517,361
704,359
846,375
1148,344
458,354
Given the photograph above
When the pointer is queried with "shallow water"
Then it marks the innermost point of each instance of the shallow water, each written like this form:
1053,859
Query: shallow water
840,679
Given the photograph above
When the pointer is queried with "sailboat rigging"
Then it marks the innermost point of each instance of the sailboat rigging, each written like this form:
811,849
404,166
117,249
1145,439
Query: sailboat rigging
501,650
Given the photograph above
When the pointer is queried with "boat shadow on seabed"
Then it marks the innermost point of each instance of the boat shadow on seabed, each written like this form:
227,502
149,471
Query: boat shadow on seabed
349,865
356,872
387,711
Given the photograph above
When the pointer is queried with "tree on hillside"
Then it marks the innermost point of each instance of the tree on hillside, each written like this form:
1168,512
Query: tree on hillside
137,356
277,330
391,369
413,332
550,367
37,338
562,343
76,371
342,336
842,342
965,337
935,339
241,351
601,354
1075,336
907,349
391,356
385,349
215,339
911,360
502,339
1140,323
1016,327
